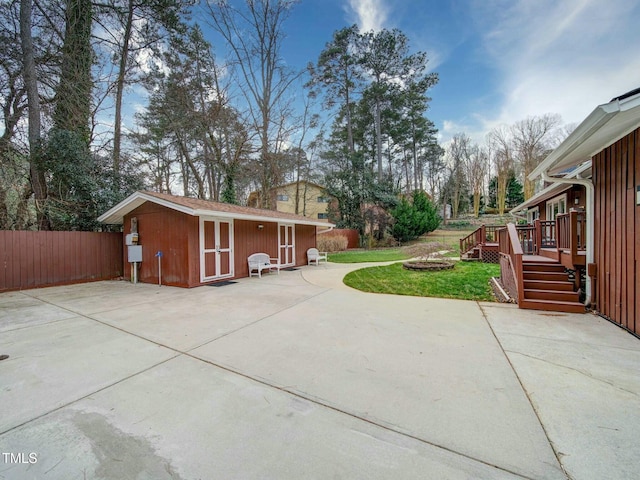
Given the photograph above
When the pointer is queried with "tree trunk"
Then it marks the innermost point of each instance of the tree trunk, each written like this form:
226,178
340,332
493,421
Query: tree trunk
501,194
378,121
350,144
38,183
476,203
194,170
124,56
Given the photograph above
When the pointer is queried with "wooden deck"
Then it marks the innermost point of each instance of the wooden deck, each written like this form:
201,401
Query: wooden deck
537,259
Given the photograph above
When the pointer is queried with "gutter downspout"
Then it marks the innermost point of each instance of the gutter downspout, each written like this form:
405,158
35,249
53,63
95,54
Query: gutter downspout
327,230
588,184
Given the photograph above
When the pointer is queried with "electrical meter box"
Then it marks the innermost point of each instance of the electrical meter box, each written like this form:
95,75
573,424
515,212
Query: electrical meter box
131,239
134,253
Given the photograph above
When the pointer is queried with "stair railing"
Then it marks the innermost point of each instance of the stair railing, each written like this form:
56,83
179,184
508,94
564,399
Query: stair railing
472,240
511,273
481,235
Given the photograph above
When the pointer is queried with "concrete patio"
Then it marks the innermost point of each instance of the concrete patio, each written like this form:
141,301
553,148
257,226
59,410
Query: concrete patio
298,376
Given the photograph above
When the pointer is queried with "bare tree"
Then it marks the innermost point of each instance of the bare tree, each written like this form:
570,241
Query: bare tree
254,36
501,146
533,139
476,167
459,153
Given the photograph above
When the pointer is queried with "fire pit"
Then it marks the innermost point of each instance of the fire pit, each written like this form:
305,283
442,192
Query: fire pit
428,265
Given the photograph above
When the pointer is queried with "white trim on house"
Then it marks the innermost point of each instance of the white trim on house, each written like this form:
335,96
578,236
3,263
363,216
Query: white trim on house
607,124
561,201
288,244
217,249
554,189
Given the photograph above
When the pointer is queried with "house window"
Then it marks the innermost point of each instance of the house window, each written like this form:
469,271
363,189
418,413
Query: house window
283,198
323,200
533,214
323,216
556,206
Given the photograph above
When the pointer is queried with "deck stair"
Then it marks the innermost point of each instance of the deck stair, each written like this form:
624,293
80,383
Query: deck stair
473,254
547,287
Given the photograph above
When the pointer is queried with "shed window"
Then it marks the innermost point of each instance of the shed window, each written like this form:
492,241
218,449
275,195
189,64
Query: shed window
322,216
283,198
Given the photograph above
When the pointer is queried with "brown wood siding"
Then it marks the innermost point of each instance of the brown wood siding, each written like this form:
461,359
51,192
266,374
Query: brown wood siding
38,259
305,239
616,173
177,236
248,239
173,233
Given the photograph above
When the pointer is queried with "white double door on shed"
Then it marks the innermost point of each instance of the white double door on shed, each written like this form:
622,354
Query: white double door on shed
216,248
286,245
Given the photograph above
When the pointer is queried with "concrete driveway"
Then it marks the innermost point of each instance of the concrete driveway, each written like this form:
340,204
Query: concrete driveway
295,376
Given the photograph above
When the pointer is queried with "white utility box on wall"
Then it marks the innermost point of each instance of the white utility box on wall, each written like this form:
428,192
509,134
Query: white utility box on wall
135,253
131,239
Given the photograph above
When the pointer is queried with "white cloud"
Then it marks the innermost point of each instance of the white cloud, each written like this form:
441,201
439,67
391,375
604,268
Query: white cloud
368,14
559,57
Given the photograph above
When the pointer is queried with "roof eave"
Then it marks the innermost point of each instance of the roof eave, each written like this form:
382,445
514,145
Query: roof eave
596,120
116,214
258,218
606,125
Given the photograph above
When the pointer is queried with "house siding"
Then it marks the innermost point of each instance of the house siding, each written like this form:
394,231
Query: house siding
616,175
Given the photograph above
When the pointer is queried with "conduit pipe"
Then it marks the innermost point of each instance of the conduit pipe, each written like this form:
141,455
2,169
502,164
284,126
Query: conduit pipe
588,184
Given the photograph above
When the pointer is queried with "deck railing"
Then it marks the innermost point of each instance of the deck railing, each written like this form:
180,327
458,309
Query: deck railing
526,235
482,235
547,234
511,253
571,231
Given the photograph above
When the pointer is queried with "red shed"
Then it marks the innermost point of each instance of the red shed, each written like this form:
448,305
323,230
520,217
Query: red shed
202,241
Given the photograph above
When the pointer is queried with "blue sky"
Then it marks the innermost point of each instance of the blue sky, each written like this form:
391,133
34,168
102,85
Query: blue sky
499,61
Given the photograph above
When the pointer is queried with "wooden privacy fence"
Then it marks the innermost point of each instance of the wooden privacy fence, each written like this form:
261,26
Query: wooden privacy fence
353,236
37,259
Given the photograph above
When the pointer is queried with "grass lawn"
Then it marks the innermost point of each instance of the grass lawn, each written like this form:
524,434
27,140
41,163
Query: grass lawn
361,256
467,281
448,238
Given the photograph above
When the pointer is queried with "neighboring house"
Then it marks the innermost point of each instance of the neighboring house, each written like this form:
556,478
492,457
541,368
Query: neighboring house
203,241
303,198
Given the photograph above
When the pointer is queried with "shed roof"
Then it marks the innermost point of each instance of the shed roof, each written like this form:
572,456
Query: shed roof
200,207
